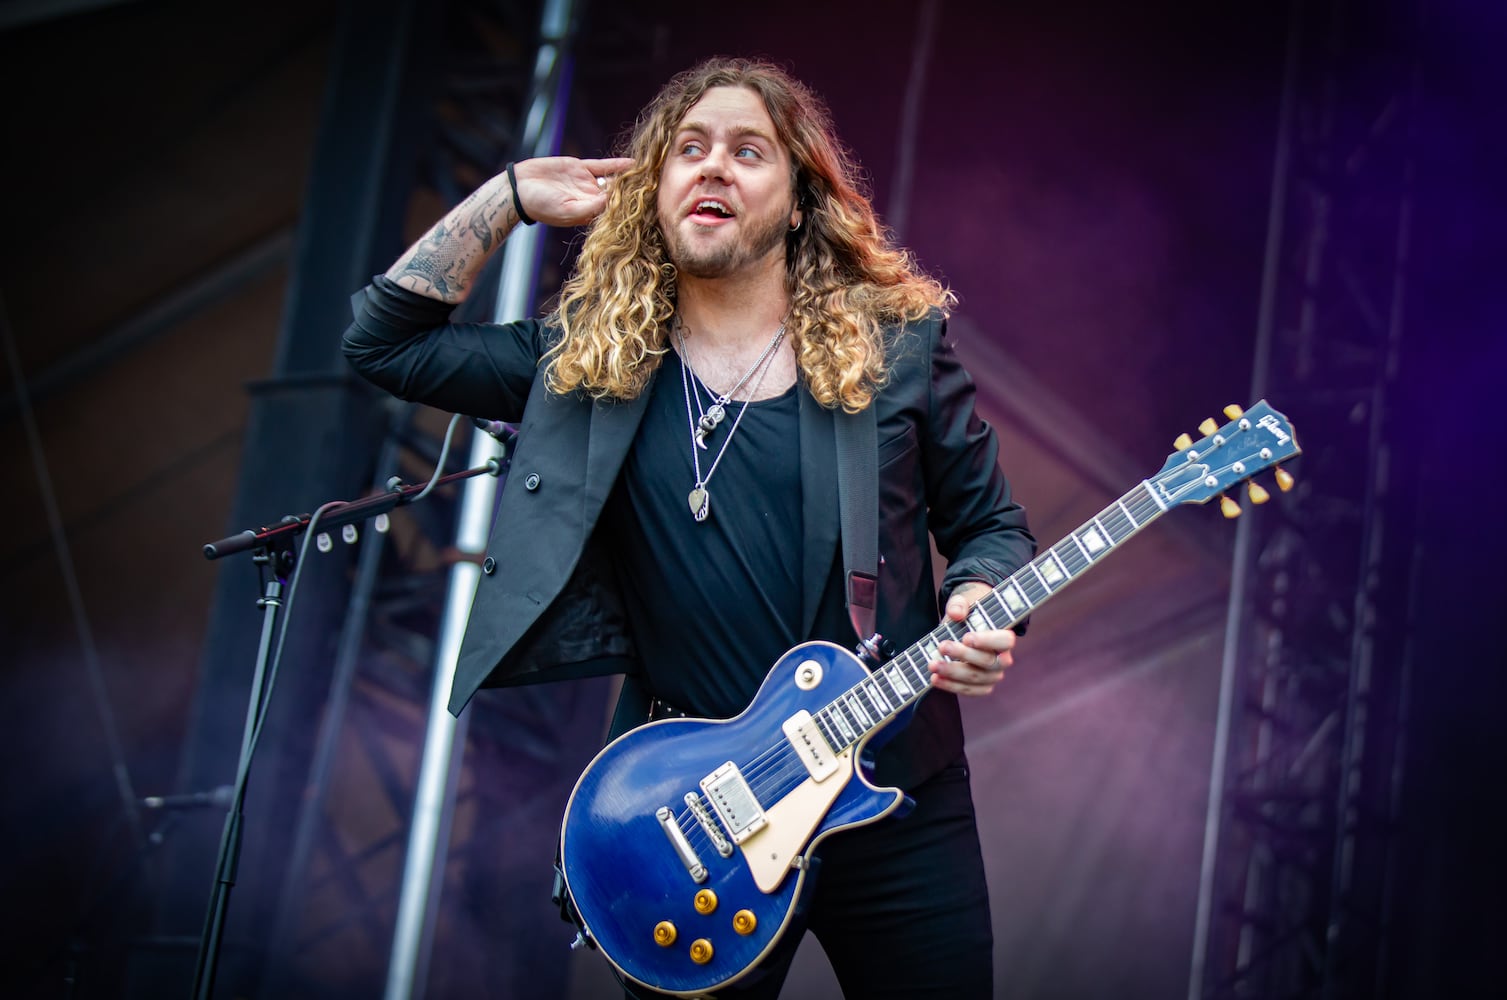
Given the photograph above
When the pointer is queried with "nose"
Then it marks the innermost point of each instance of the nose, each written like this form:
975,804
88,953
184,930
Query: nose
714,166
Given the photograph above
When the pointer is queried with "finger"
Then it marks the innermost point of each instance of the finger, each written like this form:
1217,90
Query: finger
971,655
958,606
995,640
964,678
989,642
608,165
966,663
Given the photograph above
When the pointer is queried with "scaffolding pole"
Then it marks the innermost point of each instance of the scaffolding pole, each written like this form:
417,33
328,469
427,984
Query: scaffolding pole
434,799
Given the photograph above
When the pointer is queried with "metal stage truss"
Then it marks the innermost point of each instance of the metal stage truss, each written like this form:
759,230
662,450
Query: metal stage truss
1300,851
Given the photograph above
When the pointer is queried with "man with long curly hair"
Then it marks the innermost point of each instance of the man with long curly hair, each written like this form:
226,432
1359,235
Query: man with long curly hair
673,511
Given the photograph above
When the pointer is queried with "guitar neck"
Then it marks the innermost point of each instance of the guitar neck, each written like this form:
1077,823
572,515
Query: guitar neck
902,681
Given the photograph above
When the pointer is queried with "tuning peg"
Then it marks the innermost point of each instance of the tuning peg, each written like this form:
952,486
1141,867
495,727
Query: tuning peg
1208,427
1183,442
1256,493
1233,411
1228,507
1284,480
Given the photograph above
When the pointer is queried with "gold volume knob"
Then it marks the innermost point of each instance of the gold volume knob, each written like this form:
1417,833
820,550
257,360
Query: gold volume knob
664,934
706,901
744,922
701,951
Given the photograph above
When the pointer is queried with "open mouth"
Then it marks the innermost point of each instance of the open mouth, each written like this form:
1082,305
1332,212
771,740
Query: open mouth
710,210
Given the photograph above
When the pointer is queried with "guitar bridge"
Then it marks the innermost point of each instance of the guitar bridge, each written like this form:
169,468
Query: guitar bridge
734,802
713,831
683,850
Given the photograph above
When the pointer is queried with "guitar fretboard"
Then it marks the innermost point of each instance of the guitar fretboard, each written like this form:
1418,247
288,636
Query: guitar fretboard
902,681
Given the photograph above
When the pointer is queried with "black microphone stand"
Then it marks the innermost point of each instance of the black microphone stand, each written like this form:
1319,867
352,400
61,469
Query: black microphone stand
275,554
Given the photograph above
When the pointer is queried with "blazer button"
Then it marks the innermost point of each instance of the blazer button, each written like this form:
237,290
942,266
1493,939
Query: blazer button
489,565
532,482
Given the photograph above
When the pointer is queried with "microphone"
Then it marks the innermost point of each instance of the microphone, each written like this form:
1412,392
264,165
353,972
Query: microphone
497,430
219,797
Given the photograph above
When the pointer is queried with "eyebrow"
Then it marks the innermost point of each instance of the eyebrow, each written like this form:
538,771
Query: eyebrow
737,130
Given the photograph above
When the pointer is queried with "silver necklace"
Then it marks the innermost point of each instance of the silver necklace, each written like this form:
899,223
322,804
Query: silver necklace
704,423
709,419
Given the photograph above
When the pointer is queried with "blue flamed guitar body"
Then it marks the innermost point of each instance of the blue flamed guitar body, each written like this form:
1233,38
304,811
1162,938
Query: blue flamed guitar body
624,873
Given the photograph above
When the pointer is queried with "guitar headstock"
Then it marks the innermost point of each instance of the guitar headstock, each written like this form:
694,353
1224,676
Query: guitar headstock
1253,441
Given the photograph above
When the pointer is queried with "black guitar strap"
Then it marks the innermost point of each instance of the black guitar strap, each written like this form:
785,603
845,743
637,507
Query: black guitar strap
858,506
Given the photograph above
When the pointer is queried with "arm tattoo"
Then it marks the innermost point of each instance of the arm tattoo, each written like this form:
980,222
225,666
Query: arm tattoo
480,223
446,258
436,262
481,229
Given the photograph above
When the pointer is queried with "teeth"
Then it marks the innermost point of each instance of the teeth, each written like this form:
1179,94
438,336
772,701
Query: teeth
715,206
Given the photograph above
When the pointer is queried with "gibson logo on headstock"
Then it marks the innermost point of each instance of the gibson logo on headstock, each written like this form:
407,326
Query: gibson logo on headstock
1271,423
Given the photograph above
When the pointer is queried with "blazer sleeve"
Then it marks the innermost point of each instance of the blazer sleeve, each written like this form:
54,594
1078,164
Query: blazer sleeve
405,343
978,526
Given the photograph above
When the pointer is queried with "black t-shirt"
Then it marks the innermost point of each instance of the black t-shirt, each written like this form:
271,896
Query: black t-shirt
712,604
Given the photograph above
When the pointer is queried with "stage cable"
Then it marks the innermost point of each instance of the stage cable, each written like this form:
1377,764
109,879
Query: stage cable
310,533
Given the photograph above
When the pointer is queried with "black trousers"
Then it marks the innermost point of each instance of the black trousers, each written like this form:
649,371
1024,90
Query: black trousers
900,907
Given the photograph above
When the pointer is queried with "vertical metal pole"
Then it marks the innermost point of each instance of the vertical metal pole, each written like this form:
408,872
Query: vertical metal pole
910,117
1265,322
444,743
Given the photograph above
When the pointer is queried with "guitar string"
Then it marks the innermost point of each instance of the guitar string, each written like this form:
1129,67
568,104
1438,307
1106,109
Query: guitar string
1143,507
778,769
791,771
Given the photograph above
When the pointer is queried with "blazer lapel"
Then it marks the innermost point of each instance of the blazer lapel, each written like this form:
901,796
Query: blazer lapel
818,504
613,427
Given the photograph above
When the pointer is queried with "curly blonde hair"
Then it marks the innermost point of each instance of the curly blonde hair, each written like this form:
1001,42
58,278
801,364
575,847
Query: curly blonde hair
846,279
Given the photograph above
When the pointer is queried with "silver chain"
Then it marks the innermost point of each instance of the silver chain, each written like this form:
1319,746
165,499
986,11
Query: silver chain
703,423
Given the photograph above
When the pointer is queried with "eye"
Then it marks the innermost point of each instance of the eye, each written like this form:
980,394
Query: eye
750,152
690,148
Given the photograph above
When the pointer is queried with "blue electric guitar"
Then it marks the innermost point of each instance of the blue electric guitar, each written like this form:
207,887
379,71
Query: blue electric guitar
686,842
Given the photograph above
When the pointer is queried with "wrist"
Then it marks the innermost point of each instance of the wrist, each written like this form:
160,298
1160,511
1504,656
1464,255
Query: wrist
518,210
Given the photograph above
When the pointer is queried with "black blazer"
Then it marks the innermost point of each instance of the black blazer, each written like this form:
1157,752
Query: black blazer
549,608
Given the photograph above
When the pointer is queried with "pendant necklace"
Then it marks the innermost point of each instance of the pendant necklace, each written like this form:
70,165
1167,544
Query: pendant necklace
703,423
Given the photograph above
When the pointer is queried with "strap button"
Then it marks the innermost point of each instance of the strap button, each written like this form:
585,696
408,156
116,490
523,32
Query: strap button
489,565
532,482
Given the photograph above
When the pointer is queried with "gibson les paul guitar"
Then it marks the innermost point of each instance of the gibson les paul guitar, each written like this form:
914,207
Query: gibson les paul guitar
685,843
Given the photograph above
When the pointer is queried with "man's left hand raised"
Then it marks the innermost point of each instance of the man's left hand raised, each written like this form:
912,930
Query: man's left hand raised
974,665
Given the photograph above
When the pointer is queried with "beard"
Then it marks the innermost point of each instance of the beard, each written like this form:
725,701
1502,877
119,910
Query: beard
727,257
